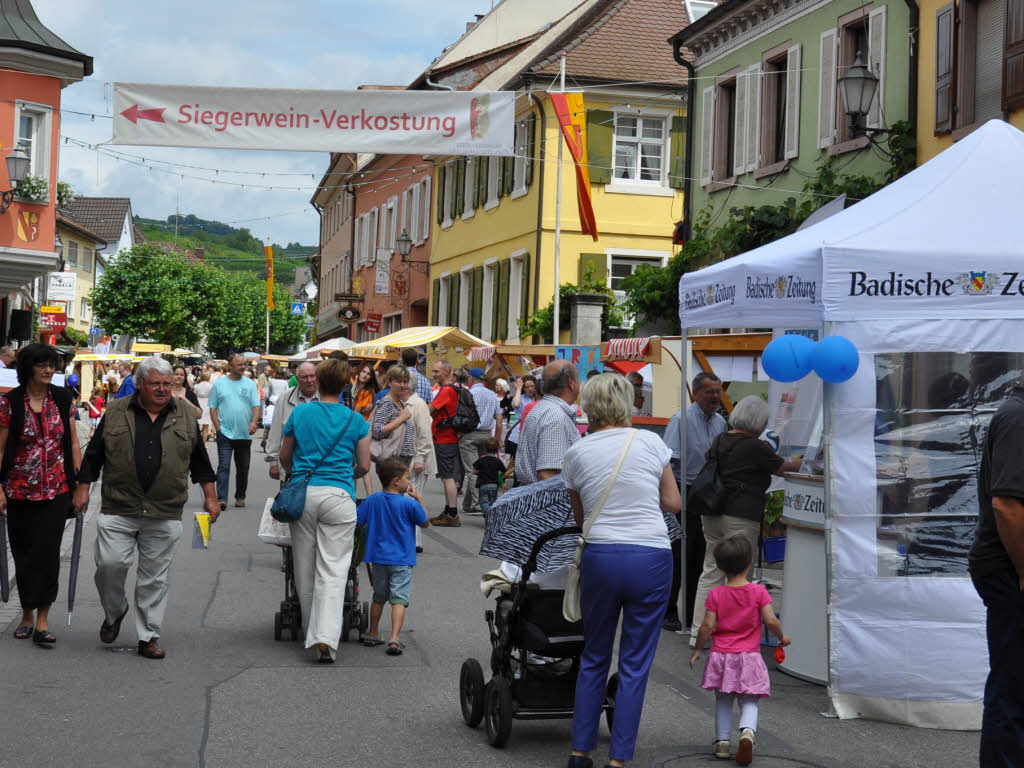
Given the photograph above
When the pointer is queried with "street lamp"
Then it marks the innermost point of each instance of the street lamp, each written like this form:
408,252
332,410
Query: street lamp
404,244
857,88
17,170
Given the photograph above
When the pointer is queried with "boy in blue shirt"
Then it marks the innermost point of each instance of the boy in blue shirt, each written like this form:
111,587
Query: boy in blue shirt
391,518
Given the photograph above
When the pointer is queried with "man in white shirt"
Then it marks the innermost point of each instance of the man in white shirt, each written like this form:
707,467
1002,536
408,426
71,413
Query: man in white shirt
488,408
6,357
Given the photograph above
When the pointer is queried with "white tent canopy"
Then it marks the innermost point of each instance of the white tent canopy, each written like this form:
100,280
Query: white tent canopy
317,351
925,278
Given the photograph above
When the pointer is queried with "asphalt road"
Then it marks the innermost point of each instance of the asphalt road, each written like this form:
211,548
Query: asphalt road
229,695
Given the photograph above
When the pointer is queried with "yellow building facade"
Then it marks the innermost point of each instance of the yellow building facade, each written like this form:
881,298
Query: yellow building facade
492,260
78,250
970,69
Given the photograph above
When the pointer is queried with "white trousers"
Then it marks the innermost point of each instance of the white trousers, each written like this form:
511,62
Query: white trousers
419,483
322,552
117,539
723,714
717,528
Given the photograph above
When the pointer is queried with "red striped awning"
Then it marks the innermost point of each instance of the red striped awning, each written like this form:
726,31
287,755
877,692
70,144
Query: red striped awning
624,349
480,354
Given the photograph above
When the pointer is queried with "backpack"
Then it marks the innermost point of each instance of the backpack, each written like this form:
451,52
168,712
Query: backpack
708,494
466,418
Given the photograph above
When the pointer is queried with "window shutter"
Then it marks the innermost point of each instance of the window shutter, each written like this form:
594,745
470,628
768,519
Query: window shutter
827,90
460,186
707,131
753,116
454,294
476,316
436,301
1013,56
508,175
945,66
739,143
531,154
596,261
600,128
441,170
495,303
792,141
876,63
426,208
524,293
393,242
504,270
500,184
481,181
677,147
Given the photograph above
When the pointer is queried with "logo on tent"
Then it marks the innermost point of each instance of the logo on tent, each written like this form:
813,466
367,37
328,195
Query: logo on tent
978,283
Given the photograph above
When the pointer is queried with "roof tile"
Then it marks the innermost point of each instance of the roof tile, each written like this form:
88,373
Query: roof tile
103,215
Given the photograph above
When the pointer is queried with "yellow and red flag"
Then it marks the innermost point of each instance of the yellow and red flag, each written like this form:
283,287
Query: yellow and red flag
268,251
572,118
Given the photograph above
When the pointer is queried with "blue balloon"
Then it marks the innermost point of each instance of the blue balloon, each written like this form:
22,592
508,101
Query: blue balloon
73,380
835,359
788,358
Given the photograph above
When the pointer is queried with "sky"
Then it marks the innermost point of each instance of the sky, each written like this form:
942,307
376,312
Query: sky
247,43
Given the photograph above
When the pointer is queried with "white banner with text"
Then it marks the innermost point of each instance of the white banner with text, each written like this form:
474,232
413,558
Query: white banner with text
383,122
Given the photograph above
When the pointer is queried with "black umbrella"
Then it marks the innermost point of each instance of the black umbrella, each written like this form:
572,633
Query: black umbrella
523,515
76,550
5,579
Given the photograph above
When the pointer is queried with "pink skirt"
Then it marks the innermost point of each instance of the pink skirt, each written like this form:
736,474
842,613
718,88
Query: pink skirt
736,673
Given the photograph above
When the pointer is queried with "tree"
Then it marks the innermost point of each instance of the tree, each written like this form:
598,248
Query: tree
237,319
154,295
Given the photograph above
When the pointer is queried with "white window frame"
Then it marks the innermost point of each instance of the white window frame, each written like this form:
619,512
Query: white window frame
442,298
406,217
72,258
464,296
447,198
515,296
39,155
469,185
487,310
637,186
357,235
86,261
493,193
83,307
424,230
387,323
519,164
640,255
388,224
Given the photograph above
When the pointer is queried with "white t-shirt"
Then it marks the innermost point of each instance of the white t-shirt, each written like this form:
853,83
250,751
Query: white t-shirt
632,513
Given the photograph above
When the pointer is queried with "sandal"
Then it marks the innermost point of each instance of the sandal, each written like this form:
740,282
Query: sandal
372,640
24,632
325,654
395,648
43,637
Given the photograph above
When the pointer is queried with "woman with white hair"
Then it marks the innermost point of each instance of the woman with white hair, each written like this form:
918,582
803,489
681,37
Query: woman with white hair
620,483
746,464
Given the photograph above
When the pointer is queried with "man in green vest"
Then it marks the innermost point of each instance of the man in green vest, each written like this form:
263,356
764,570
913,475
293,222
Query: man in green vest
146,445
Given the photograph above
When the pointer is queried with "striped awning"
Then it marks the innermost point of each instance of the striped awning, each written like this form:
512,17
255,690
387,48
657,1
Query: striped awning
480,354
624,349
417,337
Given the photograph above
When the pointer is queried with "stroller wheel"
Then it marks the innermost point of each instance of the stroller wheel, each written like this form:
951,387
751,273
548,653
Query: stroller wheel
498,711
609,699
278,627
471,692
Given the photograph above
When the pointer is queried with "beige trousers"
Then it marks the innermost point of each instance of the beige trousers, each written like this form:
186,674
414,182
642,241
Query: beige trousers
716,528
322,552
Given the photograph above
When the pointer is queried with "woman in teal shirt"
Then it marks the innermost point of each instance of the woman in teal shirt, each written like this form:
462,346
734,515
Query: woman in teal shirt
322,538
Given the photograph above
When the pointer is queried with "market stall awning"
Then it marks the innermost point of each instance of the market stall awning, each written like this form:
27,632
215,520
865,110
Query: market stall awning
417,337
325,347
146,348
100,358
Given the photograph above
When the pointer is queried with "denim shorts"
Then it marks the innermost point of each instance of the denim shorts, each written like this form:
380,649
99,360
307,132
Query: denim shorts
392,584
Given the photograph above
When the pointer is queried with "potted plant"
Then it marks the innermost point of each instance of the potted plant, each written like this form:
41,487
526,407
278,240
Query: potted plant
773,531
34,189
65,194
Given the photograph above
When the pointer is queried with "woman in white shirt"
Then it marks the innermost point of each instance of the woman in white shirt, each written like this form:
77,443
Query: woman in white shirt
626,568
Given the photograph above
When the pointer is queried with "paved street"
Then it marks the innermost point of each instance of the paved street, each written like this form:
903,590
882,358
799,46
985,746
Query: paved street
229,695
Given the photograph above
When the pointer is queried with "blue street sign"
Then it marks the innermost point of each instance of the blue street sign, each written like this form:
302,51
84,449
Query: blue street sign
309,323
298,308
94,330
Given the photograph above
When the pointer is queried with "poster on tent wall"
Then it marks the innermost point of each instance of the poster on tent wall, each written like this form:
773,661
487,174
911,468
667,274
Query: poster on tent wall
383,122
907,630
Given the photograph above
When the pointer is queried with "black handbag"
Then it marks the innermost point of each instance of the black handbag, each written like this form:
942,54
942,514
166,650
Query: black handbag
291,499
708,494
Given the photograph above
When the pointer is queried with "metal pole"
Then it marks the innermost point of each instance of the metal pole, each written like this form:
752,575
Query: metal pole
684,363
558,216
266,349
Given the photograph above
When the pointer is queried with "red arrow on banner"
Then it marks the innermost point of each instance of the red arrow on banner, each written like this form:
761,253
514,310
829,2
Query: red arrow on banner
135,114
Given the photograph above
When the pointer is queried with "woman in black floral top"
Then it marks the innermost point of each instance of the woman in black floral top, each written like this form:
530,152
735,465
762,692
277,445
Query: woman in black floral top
39,459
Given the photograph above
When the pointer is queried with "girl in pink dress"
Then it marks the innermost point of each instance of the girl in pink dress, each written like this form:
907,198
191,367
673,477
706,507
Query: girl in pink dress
734,667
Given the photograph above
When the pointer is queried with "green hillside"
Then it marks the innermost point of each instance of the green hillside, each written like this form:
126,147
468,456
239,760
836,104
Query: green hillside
234,250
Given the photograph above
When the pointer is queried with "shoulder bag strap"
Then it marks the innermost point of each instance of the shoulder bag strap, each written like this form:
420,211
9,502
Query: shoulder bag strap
327,453
611,482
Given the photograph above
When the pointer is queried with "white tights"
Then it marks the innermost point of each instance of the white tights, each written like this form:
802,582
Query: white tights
723,713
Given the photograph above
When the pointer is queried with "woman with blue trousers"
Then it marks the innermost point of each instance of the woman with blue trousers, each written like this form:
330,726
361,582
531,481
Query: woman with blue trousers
626,569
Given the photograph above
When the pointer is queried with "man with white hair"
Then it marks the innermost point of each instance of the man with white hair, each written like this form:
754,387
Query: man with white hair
6,357
306,391
145,446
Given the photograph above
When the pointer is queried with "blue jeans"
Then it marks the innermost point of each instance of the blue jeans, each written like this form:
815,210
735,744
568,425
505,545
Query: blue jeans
633,581
241,450
392,584
488,493
1002,724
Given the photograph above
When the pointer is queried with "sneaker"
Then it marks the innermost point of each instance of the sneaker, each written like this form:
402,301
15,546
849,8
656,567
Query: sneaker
446,521
223,504
723,750
745,751
239,502
672,624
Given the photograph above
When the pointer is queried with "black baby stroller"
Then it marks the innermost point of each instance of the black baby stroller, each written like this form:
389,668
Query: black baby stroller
355,613
535,658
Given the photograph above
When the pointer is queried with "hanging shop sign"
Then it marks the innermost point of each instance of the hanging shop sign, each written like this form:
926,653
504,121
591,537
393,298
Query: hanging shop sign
349,314
383,122
55,322
373,321
61,286
349,297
